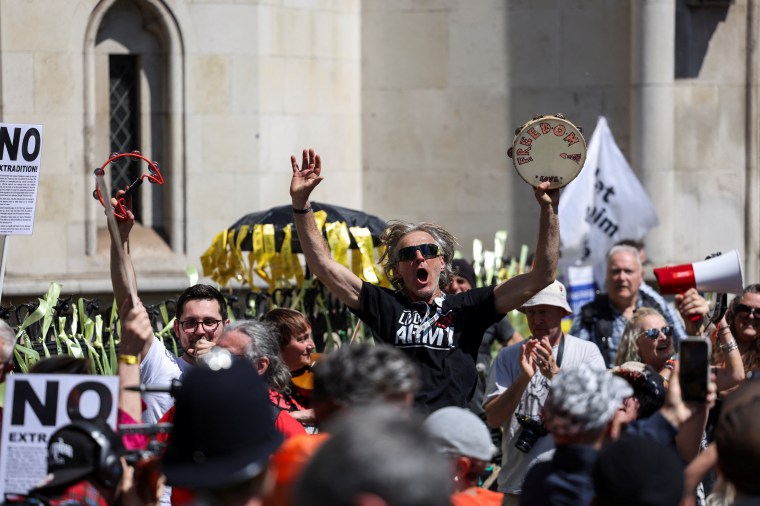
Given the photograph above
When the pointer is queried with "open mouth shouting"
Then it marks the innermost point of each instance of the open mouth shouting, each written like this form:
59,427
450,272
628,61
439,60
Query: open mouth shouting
422,275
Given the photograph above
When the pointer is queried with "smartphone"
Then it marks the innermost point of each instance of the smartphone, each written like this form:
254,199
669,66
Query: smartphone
694,375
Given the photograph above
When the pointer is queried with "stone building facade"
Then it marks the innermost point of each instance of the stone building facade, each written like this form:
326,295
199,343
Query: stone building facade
411,103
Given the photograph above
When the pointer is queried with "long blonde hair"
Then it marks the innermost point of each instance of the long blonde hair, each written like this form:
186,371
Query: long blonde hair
628,350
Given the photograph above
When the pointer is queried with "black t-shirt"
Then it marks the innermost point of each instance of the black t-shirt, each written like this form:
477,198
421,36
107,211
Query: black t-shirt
443,341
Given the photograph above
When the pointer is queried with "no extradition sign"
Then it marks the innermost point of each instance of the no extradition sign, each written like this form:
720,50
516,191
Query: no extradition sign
20,155
35,406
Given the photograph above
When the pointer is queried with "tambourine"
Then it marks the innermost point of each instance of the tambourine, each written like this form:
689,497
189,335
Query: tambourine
548,148
154,176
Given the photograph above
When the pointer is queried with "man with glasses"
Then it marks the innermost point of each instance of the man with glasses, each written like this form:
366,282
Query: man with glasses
602,320
200,319
441,333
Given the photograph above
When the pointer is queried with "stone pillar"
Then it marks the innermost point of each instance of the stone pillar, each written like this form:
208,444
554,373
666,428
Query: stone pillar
752,213
652,115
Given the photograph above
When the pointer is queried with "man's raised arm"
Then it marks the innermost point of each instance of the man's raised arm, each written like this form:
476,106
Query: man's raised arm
343,283
122,276
512,293
122,271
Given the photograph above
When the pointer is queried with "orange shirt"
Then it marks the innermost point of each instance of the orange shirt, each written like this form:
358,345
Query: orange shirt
475,496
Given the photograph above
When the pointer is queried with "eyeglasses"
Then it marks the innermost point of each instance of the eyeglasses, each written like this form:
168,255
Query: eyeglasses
743,308
209,325
655,333
410,252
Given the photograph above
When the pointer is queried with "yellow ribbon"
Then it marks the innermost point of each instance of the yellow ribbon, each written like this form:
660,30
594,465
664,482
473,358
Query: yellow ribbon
258,253
338,240
363,239
224,258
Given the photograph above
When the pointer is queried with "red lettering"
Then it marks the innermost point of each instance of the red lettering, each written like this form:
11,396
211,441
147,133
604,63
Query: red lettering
571,139
534,133
559,130
521,161
545,127
523,152
526,141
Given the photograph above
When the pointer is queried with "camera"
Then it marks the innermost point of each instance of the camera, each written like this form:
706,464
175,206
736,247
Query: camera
531,431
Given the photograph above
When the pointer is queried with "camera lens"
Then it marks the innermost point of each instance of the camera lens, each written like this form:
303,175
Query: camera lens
526,440
531,431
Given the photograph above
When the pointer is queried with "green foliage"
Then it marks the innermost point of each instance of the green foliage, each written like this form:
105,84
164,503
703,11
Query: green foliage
43,334
85,337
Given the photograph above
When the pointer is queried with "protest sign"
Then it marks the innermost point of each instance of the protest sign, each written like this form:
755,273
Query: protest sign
20,155
35,406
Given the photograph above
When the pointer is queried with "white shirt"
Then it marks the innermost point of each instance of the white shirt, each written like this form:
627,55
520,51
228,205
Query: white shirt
159,367
504,371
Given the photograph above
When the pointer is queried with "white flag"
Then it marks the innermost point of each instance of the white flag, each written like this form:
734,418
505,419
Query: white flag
604,204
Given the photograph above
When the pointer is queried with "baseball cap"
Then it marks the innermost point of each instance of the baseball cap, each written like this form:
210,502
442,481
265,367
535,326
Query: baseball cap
457,431
78,450
553,295
737,437
223,432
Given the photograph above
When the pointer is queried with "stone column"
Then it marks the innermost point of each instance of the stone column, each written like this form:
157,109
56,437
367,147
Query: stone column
652,115
752,196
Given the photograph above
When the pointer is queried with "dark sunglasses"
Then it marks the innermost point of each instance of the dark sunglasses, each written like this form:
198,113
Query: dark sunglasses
743,308
410,252
655,333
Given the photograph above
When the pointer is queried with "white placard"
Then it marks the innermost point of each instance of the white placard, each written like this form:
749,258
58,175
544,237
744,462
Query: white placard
35,406
20,155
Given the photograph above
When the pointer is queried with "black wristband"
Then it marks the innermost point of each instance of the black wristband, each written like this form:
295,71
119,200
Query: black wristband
302,211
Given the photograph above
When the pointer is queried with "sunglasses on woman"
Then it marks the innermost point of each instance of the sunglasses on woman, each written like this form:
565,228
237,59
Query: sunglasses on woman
655,333
743,308
410,252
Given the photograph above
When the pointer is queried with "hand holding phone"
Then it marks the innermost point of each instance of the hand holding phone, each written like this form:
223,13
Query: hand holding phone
694,374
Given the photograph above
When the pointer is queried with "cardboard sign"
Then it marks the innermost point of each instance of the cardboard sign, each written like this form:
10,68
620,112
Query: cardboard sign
35,406
20,155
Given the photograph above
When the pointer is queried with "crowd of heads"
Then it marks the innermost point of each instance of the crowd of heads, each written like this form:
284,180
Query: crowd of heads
224,436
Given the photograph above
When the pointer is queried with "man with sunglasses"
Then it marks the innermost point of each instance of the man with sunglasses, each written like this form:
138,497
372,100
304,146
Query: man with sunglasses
441,333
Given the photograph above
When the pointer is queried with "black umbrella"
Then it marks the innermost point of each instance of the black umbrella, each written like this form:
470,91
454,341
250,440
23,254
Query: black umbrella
281,216
225,259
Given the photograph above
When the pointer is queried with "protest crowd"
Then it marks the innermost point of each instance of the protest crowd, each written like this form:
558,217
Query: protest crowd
449,406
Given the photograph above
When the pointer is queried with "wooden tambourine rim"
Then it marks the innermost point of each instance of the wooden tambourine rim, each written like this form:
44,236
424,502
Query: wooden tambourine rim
571,163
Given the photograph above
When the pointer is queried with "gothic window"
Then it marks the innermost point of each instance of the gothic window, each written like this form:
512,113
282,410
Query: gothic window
134,102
